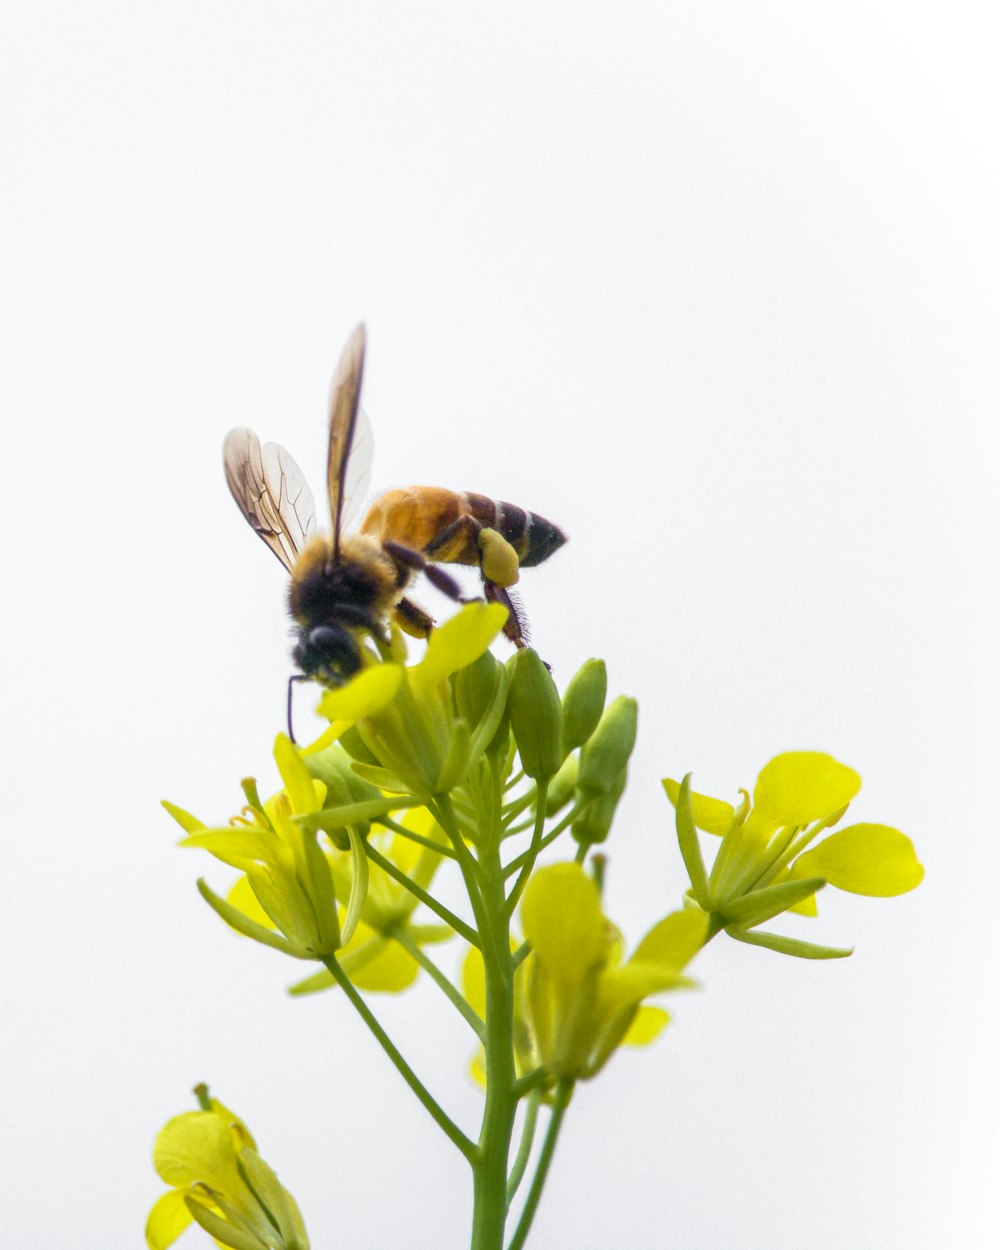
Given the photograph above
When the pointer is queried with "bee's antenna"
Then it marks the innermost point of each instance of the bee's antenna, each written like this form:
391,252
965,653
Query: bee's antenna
291,681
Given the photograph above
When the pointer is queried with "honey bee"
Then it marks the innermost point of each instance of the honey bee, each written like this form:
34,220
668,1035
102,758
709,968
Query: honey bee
346,586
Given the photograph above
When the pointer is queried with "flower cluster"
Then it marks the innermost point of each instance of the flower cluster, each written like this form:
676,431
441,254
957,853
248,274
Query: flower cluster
464,772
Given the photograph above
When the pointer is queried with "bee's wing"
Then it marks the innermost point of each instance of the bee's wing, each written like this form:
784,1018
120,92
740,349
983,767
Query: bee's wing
345,391
357,475
270,491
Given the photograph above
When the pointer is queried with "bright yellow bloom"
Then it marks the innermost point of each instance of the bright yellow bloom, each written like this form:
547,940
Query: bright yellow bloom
581,1001
406,716
763,866
219,1180
289,875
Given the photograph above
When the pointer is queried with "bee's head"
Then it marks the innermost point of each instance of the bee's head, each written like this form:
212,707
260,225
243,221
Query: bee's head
329,653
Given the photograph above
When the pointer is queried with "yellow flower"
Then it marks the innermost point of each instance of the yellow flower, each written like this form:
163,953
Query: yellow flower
218,1179
581,1001
763,866
288,873
406,716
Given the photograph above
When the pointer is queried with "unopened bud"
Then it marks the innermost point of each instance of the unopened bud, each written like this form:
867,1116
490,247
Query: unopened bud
607,751
594,823
583,704
535,714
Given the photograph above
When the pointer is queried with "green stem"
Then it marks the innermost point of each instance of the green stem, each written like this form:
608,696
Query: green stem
419,892
429,843
420,956
444,1122
489,1214
549,838
524,1150
533,848
563,1091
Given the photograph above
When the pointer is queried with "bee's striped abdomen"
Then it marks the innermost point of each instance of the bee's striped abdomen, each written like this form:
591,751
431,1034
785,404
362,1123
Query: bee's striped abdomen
532,537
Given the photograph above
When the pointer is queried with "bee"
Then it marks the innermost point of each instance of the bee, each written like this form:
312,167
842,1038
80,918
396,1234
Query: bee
346,586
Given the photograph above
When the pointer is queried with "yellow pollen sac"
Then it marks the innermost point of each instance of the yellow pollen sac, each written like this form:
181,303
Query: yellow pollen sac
499,563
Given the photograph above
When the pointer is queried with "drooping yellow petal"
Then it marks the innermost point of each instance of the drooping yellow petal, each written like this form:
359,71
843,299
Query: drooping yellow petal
168,1218
647,1025
799,787
876,860
674,941
712,815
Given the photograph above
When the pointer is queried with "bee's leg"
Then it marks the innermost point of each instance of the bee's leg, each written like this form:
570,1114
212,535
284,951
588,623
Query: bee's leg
468,541
413,620
516,625
419,562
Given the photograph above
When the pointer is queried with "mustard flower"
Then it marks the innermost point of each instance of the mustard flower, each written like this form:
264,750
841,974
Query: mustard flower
581,1000
763,866
406,717
218,1179
287,871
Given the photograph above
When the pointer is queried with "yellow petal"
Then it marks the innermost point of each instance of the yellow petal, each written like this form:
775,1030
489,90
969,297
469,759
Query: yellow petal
802,786
299,784
646,1027
562,918
876,860
365,695
168,1218
712,815
458,642
196,1146
674,941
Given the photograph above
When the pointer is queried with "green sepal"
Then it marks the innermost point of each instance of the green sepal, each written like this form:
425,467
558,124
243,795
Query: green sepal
583,703
457,760
249,928
535,714
354,813
760,905
787,945
594,823
356,747
334,767
217,1227
359,885
189,823
607,750
687,838
381,777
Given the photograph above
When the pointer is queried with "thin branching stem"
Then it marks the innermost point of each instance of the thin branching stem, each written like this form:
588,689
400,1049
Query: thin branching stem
440,1117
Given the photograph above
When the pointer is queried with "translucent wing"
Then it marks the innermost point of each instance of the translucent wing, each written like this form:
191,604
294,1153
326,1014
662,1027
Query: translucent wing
356,479
345,391
270,491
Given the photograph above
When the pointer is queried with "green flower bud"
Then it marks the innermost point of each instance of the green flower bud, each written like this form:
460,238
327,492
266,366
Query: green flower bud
535,714
562,786
474,687
594,823
583,704
607,751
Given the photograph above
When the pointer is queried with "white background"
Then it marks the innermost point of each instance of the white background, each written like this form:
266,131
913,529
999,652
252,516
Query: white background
712,285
